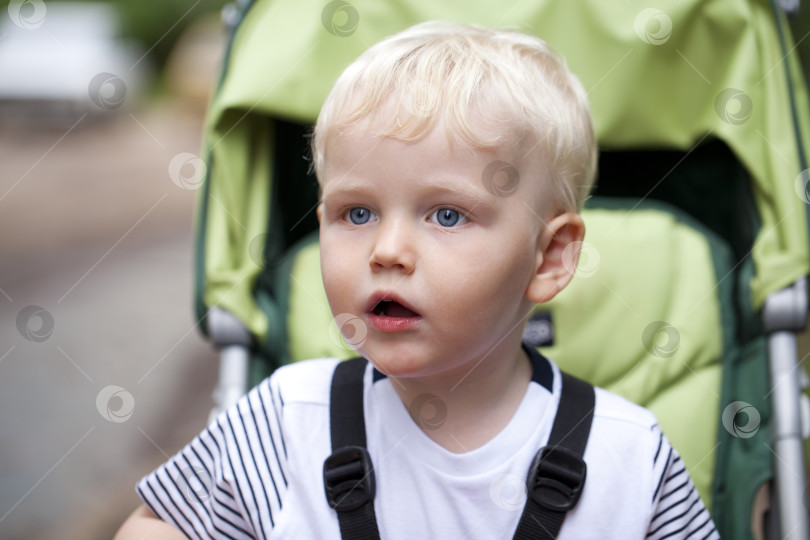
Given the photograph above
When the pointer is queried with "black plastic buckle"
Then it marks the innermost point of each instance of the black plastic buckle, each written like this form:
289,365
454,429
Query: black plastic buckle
348,478
556,478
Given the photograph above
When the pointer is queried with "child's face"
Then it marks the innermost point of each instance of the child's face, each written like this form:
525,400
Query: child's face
414,245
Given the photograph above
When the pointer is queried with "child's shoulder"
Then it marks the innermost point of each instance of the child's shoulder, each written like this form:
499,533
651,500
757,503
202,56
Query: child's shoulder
612,407
307,381
623,424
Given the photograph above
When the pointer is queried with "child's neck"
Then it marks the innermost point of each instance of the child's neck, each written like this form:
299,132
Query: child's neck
474,411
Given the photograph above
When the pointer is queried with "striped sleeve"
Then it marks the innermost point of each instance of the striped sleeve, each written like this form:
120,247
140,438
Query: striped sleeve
678,511
230,481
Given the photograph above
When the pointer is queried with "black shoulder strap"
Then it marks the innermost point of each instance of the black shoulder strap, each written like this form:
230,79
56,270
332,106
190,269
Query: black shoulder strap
348,474
554,484
557,474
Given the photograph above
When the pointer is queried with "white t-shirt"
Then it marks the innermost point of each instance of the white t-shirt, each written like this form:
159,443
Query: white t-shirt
257,470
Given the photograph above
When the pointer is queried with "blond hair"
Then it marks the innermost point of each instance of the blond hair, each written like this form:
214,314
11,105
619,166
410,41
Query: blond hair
493,88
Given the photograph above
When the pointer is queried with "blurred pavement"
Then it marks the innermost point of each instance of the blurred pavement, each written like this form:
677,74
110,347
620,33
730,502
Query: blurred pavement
107,374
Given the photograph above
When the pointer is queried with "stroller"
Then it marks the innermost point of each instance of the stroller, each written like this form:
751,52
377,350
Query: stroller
693,272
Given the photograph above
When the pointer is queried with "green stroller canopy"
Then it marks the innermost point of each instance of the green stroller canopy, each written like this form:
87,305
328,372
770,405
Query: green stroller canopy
667,78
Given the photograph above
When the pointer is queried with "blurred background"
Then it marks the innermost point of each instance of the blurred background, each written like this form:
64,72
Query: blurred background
103,373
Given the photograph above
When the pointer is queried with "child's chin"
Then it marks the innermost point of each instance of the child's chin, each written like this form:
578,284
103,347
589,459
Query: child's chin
398,366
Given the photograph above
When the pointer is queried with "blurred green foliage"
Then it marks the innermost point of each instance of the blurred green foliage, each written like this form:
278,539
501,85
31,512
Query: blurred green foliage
157,24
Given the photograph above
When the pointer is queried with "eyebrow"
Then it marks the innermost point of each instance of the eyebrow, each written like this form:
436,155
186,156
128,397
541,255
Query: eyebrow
343,186
471,194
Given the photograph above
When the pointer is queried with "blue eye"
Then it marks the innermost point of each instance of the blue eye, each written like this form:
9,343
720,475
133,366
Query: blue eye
447,217
359,215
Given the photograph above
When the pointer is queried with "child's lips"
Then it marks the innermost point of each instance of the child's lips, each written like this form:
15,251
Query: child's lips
389,308
389,313
387,304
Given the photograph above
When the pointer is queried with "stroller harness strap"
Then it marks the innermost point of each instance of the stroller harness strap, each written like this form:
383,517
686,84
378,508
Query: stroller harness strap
557,474
348,474
554,483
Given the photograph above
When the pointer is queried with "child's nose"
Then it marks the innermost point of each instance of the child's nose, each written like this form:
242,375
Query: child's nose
393,247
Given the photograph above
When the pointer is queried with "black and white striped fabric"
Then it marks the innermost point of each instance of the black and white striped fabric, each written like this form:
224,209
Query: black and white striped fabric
256,471
679,511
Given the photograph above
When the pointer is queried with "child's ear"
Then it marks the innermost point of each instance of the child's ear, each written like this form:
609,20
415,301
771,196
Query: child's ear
557,257
319,212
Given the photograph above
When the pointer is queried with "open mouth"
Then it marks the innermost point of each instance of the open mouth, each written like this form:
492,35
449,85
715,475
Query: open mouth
392,308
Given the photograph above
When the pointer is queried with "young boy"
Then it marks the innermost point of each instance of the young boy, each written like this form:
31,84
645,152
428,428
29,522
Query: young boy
453,161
